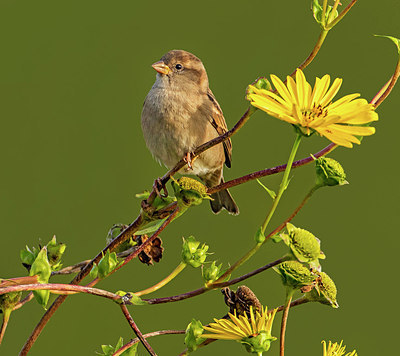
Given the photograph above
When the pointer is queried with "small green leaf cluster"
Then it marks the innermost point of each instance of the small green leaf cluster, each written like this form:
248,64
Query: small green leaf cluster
193,335
193,252
108,350
106,265
55,251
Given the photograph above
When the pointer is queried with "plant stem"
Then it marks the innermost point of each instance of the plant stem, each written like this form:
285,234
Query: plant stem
154,333
136,330
303,202
6,318
379,98
163,282
289,295
61,288
270,171
213,285
314,52
342,14
283,184
275,203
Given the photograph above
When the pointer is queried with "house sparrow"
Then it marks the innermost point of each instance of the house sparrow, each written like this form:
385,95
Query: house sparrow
180,113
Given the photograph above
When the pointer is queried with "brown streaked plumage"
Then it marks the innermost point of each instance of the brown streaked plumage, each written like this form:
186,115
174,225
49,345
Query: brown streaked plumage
180,113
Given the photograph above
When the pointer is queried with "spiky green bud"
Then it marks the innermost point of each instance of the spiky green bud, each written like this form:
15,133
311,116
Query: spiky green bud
324,292
189,191
329,172
211,272
192,253
294,274
303,244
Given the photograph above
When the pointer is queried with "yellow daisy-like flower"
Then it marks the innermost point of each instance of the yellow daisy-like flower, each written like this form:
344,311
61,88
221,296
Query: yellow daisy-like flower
312,109
254,331
336,349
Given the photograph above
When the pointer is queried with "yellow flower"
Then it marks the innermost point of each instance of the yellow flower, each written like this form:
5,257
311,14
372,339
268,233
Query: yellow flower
254,331
313,110
336,349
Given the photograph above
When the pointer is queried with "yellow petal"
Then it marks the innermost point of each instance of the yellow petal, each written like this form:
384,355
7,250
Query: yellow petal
331,92
292,87
321,88
354,130
301,88
281,88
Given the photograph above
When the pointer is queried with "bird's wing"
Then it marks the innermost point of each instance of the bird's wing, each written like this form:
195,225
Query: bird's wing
218,121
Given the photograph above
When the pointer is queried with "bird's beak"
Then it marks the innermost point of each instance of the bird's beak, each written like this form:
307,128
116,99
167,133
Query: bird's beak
161,67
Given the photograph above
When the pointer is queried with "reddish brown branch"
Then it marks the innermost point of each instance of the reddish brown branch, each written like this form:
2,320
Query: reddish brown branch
60,288
154,333
270,171
136,330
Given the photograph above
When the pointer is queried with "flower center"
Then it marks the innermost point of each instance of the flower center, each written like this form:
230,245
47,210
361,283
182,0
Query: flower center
309,115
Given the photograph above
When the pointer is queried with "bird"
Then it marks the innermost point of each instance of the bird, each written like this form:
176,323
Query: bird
180,113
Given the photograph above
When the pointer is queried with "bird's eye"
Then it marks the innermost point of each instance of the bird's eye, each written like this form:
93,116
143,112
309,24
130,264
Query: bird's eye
179,66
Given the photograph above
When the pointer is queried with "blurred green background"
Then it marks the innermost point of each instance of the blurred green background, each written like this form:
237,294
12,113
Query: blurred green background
73,77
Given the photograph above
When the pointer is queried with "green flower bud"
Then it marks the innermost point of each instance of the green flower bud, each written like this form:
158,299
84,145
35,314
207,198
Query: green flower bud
55,250
189,191
303,244
211,272
259,83
41,268
324,292
193,335
294,274
329,172
8,301
317,13
192,253
259,343
259,236
107,264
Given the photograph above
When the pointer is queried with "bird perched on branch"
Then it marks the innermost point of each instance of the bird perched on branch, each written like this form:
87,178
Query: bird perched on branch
180,113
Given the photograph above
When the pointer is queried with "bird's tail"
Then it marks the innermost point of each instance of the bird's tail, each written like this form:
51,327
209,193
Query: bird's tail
223,199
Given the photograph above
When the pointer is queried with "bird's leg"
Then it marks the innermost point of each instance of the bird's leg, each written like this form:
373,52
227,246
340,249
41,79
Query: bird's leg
158,186
189,160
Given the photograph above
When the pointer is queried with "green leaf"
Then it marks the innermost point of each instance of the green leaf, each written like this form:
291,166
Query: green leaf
271,193
395,40
94,272
41,268
317,11
151,227
107,264
109,350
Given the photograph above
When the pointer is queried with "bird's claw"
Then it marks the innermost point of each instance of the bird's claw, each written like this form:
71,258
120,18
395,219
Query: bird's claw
158,186
189,160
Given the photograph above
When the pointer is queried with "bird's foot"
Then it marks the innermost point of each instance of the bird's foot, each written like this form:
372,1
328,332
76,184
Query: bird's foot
158,186
189,159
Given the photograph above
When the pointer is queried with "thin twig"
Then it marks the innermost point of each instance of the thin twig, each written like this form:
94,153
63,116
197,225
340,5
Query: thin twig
270,171
136,330
59,288
379,100
193,293
154,333
27,299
